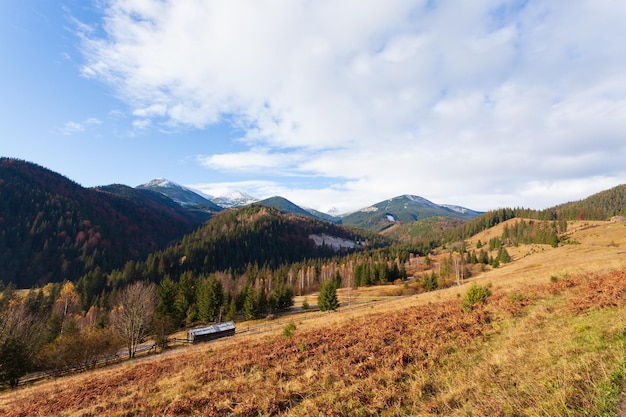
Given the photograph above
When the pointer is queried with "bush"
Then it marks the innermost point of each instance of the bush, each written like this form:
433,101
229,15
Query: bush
476,294
288,330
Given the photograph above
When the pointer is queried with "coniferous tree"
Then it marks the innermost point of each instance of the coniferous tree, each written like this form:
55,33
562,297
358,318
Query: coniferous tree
430,281
186,295
166,306
503,256
327,299
250,311
210,298
232,309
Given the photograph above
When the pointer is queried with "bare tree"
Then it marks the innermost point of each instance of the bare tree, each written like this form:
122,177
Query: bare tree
458,268
20,340
132,318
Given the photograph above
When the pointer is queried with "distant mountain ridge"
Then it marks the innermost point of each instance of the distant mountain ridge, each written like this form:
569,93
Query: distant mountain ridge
234,199
184,196
404,209
284,205
53,229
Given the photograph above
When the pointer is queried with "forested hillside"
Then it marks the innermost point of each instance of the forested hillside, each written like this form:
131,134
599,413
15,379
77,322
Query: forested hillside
285,206
257,235
254,257
431,229
52,229
600,206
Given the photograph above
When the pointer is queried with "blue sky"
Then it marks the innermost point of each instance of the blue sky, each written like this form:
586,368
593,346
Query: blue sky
332,104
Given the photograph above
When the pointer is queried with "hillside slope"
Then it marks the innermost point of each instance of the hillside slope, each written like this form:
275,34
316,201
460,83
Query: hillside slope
599,206
257,235
52,229
539,346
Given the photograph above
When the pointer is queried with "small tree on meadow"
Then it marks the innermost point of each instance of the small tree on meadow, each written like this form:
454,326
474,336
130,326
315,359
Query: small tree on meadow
476,294
327,300
430,281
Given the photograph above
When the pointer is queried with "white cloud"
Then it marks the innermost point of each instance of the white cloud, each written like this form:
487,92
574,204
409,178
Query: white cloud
71,128
484,104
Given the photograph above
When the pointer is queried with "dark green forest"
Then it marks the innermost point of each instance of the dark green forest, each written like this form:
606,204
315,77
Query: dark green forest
52,229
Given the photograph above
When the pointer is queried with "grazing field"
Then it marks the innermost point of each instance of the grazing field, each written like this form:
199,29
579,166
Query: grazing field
549,341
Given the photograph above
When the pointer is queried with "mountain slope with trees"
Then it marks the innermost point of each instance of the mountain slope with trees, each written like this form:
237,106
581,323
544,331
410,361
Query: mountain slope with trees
599,206
284,205
403,209
52,229
256,235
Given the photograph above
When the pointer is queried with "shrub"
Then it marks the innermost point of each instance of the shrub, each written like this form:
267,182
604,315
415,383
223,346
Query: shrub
288,330
476,294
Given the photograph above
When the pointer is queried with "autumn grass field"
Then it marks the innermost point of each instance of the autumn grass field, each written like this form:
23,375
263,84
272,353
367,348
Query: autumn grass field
549,341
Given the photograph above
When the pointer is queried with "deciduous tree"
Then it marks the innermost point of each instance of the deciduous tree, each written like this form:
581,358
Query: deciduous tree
132,318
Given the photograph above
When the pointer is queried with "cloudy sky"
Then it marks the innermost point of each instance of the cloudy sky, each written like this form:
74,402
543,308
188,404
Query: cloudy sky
329,103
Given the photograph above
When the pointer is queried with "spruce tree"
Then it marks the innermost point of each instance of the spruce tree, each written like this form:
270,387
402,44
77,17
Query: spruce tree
250,311
327,300
430,281
210,297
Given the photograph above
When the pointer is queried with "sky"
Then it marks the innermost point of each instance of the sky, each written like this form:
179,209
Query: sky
332,104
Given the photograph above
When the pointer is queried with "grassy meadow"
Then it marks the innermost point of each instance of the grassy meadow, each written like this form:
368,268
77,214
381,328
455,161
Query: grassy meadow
549,341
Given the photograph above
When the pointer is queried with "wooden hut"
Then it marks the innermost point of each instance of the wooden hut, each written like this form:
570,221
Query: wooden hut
212,332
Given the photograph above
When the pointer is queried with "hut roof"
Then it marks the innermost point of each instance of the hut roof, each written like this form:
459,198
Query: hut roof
214,328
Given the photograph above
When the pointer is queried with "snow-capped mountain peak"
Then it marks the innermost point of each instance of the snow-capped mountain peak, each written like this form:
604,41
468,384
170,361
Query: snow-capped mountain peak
229,198
161,182
182,195
420,200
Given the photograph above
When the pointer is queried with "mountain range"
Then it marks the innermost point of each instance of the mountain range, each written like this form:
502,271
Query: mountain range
402,209
52,229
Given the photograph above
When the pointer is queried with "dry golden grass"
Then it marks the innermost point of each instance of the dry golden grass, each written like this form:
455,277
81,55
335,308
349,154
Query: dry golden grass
537,348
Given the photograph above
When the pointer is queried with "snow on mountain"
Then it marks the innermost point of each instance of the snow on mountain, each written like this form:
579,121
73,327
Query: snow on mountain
369,209
233,198
420,200
458,209
162,183
182,195
398,209
461,210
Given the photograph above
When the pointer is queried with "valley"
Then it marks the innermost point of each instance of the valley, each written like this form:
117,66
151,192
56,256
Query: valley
424,309
550,340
